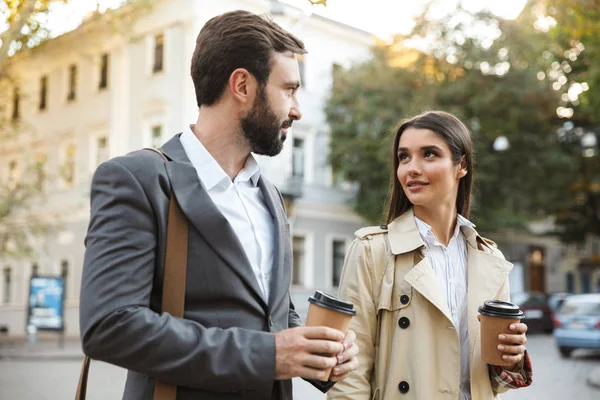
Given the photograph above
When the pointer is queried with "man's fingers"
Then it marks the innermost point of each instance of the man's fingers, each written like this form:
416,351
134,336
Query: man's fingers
318,362
337,378
343,369
348,354
311,373
323,332
349,339
317,346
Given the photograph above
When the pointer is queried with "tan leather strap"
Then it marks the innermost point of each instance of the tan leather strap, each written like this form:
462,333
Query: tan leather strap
173,293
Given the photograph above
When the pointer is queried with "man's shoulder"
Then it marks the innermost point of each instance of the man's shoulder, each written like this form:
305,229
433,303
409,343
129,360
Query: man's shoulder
139,162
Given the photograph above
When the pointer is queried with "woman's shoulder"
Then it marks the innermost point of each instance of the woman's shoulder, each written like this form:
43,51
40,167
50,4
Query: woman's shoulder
369,231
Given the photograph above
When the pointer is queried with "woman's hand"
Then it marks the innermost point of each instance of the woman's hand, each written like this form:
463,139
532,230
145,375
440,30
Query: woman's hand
513,345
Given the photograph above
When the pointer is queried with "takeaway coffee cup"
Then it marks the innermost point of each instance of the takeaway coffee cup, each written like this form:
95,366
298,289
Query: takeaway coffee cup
326,310
496,317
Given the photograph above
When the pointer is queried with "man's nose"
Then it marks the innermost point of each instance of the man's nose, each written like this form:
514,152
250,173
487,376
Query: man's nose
295,114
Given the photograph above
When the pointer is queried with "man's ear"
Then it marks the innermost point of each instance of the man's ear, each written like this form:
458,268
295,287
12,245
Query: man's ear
242,86
462,170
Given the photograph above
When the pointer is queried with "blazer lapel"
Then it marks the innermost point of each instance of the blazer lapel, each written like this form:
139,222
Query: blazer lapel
486,273
201,212
281,272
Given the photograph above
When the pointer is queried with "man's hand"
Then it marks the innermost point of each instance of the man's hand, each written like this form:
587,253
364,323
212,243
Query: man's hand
307,352
347,361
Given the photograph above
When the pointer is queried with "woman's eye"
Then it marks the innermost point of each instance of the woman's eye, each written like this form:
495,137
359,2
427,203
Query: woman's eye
402,157
429,154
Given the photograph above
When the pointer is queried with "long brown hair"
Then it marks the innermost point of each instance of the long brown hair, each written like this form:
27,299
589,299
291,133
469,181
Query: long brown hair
458,138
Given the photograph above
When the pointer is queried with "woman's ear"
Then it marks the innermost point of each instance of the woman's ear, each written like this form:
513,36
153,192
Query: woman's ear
462,170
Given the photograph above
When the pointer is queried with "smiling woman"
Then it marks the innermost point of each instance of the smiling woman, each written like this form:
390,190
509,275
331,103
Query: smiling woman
418,281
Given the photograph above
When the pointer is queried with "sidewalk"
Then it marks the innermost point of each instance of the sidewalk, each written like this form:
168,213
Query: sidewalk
594,377
45,349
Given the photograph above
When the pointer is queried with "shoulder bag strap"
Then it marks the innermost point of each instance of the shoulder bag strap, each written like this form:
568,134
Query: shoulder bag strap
173,292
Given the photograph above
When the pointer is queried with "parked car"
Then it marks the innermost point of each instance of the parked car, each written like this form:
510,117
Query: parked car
537,313
577,324
555,301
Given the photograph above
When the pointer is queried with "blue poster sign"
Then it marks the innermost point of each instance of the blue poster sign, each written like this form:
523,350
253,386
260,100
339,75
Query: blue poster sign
46,297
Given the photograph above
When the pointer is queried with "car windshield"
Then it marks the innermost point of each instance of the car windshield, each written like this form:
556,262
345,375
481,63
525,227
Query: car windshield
519,298
580,308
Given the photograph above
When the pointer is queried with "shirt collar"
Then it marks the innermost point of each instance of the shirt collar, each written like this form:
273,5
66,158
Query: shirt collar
209,171
426,231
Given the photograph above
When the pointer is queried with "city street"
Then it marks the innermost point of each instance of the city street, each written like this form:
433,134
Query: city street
554,378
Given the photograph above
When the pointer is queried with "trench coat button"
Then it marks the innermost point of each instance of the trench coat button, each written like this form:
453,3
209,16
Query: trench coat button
404,299
384,227
404,322
403,387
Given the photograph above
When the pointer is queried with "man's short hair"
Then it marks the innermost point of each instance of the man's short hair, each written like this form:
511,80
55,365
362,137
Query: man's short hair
237,39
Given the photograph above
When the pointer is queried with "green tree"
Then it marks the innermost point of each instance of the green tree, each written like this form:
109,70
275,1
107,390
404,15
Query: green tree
574,26
492,85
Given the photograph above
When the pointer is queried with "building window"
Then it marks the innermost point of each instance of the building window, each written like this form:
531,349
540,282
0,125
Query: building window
103,84
43,92
299,257
156,136
336,71
35,269
40,170
64,273
6,298
16,114
302,67
570,282
72,82
69,165
298,159
13,174
338,248
101,150
159,47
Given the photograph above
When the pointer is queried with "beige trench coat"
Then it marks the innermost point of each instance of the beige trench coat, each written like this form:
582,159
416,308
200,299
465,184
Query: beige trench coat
409,347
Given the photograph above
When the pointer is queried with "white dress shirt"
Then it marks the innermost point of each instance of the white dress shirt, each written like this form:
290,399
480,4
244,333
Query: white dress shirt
450,266
241,202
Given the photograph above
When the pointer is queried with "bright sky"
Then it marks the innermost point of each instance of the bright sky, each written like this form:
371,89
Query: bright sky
382,17
385,17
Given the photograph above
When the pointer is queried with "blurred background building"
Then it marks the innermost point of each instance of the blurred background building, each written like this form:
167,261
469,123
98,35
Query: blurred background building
121,82
106,89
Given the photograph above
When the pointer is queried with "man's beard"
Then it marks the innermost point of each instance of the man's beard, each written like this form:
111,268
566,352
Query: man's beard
262,129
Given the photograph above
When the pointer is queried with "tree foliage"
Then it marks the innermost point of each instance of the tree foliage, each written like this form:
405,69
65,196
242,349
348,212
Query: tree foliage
491,85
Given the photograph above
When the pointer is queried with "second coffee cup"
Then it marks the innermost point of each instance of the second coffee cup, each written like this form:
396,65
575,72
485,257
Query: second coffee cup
326,310
496,318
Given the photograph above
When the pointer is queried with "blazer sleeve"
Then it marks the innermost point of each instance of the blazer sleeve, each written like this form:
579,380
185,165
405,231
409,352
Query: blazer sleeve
294,319
117,324
356,286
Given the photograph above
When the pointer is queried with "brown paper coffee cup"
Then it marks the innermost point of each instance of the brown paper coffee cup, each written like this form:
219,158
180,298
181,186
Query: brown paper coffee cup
326,310
496,317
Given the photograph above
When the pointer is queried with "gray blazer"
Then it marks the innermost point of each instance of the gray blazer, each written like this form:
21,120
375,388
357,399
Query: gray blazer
224,347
